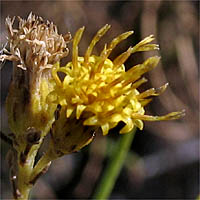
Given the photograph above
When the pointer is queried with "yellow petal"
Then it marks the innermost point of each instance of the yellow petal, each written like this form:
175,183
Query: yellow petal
152,92
76,41
79,110
121,59
170,116
105,128
69,111
66,81
55,75
139,123
137,71
127,111
91,121
128,127
116,118
144,102
63,102
117,40
145,46
95,107
96,38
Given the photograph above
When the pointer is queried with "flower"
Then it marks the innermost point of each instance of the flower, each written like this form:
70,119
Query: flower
35,46
98,92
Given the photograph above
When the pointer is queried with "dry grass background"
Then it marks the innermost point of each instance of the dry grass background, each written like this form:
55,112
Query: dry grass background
164,159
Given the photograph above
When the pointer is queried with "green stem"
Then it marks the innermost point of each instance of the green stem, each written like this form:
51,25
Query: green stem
43,164
24,172
115,164
23,186
40,168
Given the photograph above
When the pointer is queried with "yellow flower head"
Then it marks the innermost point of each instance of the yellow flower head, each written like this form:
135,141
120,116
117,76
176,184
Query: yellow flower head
100,91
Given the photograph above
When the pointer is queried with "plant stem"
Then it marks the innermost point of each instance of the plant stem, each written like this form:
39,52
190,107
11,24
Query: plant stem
115,164
24,172
23,186
40,168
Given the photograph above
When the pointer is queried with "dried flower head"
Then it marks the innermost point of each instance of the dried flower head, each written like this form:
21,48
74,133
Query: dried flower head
35,46
100,92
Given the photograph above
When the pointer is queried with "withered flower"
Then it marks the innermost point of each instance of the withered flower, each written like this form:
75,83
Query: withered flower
35,46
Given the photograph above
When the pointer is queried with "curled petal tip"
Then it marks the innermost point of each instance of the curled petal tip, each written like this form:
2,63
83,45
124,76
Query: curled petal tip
157,47
161,89
107,25
130,33
182,113
152,61
176,115
158,59
80,30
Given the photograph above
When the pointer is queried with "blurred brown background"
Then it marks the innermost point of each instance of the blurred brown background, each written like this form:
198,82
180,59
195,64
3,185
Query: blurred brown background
164,158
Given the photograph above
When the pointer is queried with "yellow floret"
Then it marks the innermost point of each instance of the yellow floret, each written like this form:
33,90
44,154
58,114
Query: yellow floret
101,92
